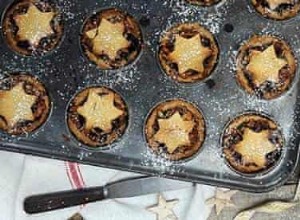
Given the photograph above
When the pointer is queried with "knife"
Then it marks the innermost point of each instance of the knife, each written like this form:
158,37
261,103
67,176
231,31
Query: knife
120,189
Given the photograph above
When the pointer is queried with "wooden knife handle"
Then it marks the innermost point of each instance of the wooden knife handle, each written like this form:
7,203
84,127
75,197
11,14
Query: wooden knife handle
52,201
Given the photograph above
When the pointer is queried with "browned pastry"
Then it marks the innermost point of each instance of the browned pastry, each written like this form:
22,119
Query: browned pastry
33,27
97,116
111,39
277,9
188,53
175,129
252,143
266,66
203,2
24,104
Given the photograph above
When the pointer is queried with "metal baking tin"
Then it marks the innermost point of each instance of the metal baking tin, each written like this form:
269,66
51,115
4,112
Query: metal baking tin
143,84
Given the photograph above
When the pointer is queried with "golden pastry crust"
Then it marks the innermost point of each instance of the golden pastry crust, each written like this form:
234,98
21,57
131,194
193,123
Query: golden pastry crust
277,9
26,104
188,53
175,129
252,143
97,116
33,27
256,76
203,2
123,45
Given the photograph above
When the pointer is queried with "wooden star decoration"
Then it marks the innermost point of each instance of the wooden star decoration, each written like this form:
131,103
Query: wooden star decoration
34,25
15,105
108,38
265,65
255,146
99,111
221,200
189,54
174,132
76,216
164,209
273,4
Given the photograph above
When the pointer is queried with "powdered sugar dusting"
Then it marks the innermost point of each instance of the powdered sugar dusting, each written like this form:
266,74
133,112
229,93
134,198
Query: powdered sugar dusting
142,84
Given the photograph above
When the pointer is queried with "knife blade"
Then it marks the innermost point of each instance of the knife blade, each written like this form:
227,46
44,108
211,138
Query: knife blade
120,189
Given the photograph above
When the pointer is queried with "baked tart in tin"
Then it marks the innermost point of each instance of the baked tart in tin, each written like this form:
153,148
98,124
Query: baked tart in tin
188,53
203,2
33,27
24,104
97,116
175,129
277,9
111,39
266,66
252,143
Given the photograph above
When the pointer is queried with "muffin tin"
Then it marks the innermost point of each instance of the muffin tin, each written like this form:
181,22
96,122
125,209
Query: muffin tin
143,85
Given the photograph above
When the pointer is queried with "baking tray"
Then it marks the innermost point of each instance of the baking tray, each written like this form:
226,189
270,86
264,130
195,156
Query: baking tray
143,84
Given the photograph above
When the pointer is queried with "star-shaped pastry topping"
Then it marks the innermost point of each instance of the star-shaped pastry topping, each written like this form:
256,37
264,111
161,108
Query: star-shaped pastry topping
34,25
164,209
174,132
273,4
15,105
99,111
265,65
189,53
108,38
255,146
221,200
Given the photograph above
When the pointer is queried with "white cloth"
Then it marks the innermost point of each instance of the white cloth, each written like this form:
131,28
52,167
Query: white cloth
22,176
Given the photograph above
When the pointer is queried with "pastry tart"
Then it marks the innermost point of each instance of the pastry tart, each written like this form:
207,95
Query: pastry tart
252,143
24,104
33,27
97,116
188,52
277,9
204,2
111,39
266,66
175,129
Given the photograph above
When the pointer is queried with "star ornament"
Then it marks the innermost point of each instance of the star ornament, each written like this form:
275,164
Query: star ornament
164,209
76,216
221,200
108,38
99,111
189,53
174,132
273,4
255,146
15,105
34,25
265,65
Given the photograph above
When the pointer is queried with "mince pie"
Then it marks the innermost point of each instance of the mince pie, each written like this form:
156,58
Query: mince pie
111,39
97,116
266,66
188,53
252,143
24,104
33,27
277,9
204,2
175,129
